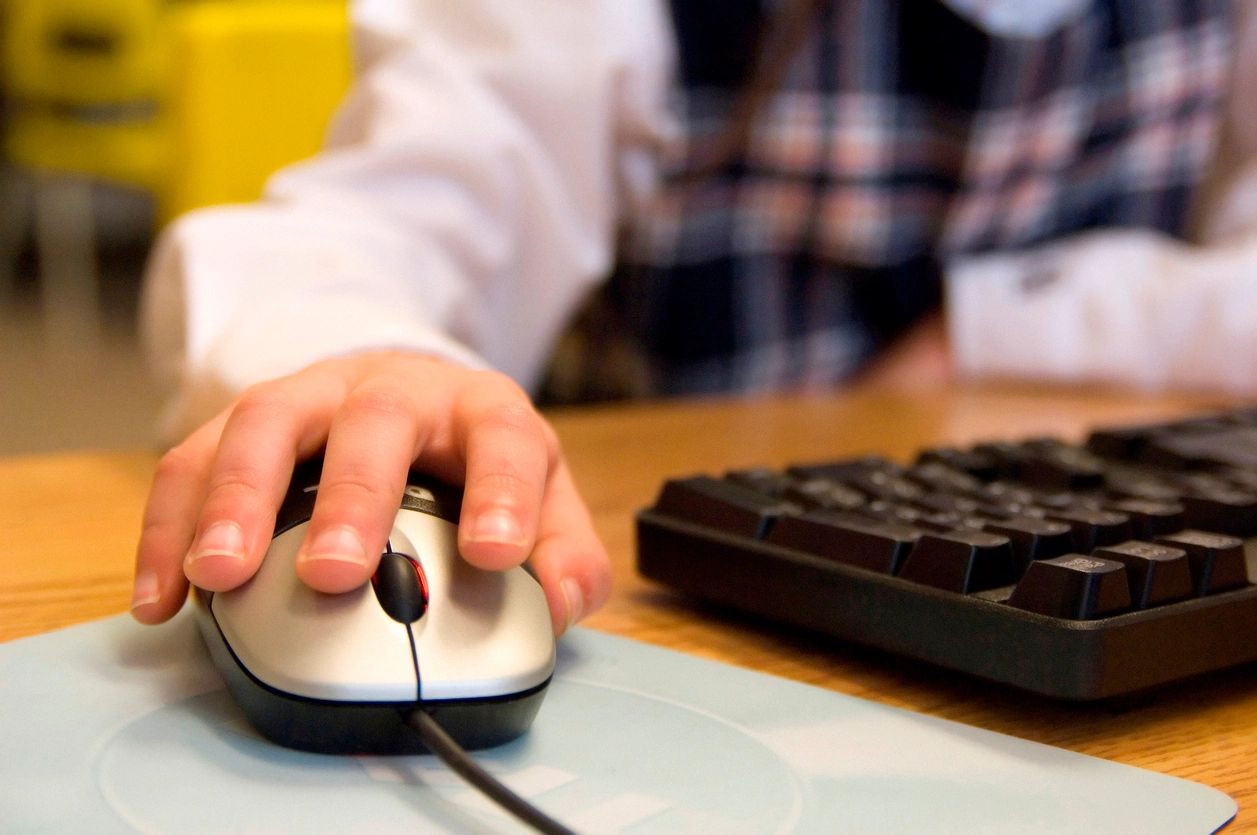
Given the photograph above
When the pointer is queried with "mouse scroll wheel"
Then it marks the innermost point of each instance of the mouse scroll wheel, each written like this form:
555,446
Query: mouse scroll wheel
400,587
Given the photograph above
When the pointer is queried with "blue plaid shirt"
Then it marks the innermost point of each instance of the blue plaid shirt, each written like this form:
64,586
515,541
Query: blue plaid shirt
903,134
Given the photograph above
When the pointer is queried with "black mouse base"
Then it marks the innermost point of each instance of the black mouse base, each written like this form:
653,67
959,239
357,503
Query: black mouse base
328,727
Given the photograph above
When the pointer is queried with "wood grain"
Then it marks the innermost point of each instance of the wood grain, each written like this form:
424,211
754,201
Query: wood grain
68,525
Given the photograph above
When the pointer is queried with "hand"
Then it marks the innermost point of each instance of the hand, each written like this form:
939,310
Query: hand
211,511
918,361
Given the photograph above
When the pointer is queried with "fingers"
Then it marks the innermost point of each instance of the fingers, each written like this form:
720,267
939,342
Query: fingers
211,513
271,426
211,509
170,516
569,559
509,451
372,441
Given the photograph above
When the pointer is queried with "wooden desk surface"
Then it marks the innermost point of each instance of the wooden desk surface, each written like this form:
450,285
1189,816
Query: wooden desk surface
68,525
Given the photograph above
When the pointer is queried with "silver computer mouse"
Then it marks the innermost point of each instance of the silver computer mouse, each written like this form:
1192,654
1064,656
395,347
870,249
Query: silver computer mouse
339,673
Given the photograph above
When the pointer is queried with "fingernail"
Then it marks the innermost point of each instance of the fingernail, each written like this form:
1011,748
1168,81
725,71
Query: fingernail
341,544
221,539
497,525
574,598
145,591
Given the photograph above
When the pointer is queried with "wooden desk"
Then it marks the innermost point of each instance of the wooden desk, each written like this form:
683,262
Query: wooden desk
68,525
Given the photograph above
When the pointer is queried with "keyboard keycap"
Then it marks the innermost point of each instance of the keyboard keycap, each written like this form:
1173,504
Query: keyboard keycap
962,561
1054,465
1157,573
1217,561
1074,587
1150,519
1093,528
846,538
942,478
719,504
1226,511
976,464
823,493
762,480
1032,539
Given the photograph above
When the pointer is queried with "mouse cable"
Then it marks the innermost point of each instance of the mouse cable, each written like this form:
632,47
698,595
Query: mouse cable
461,763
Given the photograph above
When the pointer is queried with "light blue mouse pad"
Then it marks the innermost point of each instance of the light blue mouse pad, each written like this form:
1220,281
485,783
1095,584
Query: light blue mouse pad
114,727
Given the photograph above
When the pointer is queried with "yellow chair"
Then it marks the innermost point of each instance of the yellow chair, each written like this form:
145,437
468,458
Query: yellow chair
244,87
197,102
250,88
84,78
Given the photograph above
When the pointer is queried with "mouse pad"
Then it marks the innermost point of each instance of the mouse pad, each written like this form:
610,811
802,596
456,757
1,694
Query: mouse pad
114,727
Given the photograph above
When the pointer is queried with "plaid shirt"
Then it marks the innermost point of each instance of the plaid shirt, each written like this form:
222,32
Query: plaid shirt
904,133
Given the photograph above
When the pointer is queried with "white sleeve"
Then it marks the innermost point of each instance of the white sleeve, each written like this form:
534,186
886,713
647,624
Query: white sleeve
1127,306
466,202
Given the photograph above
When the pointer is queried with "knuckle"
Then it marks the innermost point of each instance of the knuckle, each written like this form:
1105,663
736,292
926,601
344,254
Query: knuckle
177,463
501,484
512,414
237,483
551,439
356,486
378,403
263,402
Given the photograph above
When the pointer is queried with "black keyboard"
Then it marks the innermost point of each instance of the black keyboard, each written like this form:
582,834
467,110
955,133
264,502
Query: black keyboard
1075,571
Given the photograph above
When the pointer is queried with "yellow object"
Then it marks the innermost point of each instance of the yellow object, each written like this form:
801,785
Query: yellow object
196,101
82,52
84,78
251,87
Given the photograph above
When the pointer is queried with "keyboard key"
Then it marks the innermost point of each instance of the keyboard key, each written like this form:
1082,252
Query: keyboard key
879,484
843,470
962,561
823,493
719,504
900,514
1032,539
1226,511
1150,519
976,464
1051,464
1008,458
1157,573
1074,587
762,480
846,538
1093,528
1217,561
942,478
1206,444
1135,483
1240,479
1122,443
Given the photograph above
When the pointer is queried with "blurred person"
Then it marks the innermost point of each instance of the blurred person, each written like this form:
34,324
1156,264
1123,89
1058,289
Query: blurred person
788,194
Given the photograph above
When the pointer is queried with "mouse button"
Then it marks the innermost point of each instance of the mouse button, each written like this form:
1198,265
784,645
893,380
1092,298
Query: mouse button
432,496
338,647
296,509
432,542
491,636
292,638
400,587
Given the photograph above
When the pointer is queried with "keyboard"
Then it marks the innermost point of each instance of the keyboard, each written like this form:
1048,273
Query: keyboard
1079,571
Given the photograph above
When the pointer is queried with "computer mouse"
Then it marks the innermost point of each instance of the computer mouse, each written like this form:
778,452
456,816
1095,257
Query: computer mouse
340,673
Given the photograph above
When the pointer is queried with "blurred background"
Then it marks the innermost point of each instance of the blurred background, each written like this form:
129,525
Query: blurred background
115,117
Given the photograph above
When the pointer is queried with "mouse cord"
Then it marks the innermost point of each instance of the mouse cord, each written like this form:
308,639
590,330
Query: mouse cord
458,760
